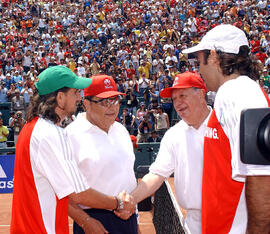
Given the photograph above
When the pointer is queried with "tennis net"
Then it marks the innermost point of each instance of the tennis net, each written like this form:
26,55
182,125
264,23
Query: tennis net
167,217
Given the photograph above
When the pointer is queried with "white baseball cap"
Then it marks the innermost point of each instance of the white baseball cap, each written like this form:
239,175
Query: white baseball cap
224,37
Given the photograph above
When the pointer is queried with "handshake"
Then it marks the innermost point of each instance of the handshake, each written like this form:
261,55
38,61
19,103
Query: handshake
126,205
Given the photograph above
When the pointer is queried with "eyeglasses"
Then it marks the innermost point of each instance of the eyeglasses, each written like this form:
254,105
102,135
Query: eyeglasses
106,102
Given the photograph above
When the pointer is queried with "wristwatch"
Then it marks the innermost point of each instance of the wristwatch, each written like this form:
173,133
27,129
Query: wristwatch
120,203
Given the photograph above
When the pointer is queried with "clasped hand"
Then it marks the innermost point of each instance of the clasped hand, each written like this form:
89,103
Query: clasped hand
129,206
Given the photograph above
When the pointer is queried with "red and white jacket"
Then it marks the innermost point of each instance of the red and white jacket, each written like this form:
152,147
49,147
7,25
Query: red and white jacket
223,198
45,174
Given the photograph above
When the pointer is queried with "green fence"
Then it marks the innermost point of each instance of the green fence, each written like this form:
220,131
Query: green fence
146,154
8,150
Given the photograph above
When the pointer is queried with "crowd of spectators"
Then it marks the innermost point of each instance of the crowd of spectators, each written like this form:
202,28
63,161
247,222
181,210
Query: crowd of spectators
137,42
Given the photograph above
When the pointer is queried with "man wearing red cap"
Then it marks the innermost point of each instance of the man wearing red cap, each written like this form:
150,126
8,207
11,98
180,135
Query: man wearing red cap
104,151
181,149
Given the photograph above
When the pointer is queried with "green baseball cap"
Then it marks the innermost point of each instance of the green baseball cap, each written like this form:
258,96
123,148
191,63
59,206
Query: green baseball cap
57,77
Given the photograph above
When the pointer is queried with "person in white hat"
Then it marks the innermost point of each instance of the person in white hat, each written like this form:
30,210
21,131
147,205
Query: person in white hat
81,69
228,68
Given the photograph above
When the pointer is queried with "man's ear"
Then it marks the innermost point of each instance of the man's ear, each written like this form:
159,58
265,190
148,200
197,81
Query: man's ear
213,57
60,99
85,103
202,94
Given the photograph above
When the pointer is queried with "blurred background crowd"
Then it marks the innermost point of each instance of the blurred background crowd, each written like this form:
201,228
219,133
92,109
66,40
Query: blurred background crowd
137,42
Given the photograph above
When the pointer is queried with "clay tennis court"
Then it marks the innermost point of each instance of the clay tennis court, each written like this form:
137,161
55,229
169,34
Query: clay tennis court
146,225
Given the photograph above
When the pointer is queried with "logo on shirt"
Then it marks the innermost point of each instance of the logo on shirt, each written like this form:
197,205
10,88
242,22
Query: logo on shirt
175,81
107,84
211,133
221,119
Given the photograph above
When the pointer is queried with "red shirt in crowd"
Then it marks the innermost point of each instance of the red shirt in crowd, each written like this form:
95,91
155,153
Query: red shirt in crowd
255,44
130,72
261,56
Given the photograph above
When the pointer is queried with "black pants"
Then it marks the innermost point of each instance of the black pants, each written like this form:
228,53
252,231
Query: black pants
111,222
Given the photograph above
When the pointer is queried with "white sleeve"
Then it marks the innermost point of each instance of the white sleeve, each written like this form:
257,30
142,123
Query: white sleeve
54,160
165,162
229,116
168,58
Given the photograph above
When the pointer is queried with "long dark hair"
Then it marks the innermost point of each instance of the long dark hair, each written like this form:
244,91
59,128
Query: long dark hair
242,63
44,106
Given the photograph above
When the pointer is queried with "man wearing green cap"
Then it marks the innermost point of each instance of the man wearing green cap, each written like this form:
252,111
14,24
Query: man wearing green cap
46,175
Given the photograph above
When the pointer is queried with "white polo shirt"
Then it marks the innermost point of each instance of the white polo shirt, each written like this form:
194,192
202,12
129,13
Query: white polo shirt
105,159
181,152
51,155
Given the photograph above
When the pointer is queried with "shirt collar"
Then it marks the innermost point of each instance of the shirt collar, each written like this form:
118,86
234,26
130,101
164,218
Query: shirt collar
88,126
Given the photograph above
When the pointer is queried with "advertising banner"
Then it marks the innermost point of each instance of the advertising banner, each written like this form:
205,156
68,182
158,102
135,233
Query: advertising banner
6,173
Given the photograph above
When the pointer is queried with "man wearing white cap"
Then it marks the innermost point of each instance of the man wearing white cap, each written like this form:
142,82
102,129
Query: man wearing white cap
227,68
104,152
175,154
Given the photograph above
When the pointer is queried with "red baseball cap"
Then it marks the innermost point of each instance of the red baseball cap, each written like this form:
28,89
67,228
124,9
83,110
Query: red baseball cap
103,86
183,81
134,141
